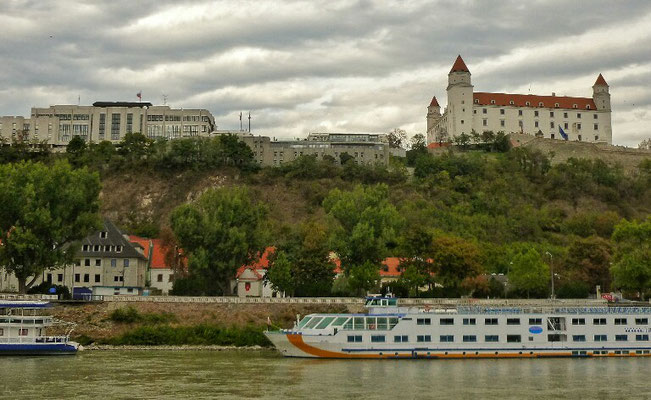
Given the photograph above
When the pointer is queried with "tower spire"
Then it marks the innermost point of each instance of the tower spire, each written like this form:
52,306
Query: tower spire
459,65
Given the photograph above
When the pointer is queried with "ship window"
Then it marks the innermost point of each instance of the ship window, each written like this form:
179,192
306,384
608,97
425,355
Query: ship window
358,323
578,338
447,321
491,338
469,321
535,321
490,321
469,338
393,322
641,321
354,338
401,338
23,332
600,338
313,323
620,321
578,321
326,321
382,324
423,321
447,338
599,321
555,337
513,321
371,323
378,339
423,338
340,321
621,338
303,322
348,325
513,338
2,332
642,338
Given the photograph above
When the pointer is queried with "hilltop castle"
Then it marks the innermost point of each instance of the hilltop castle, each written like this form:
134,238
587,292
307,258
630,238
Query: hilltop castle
557,117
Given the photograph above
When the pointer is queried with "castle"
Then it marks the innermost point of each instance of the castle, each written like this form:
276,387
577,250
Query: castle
557,117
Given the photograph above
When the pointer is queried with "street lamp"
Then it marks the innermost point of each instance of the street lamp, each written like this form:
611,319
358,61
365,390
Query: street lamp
551,267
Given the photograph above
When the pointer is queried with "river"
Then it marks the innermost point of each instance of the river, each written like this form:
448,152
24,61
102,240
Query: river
120,374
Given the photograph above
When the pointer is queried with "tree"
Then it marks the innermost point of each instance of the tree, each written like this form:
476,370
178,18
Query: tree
134,147
645,144
588,261
632,267
529,274
344,158
418,142
365,226
45,210
455,259
280,274
76,149
462,140
219,233
397,138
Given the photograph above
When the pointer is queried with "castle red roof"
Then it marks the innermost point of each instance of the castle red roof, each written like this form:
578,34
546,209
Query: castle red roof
530,100
601,81
434,102
459,65
158,253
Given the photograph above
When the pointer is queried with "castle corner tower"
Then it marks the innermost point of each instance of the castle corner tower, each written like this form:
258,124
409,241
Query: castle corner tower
460,95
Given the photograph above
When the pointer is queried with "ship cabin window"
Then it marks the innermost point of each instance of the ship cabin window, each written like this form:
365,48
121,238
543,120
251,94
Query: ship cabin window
469,321
513,321
641,321
600,338
358,323
621,338
354,338
490,321
491,338
2,332
339,321
401,339
469,338
578,321
447,321
23,332
513,338
642,338
556,337
578,338
313,322
325,322
535,321
378,339
599,321
303,322
446,338
423,321
424,338
620,321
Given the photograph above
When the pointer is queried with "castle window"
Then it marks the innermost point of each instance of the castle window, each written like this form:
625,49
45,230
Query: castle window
540,104
484,111
578,126
579,138
476,101
520,123
511,102
551,114
501,111
575,106
578,115
520,112
556,105
587,106
551,124
535,113
535,124
528,103
552,136
461,122
594,116
502,123
596,127
564,115
492,101
485,122
566,125
596,138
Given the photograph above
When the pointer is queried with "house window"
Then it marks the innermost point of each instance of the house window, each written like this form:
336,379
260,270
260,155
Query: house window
447,321
540,104
594,116
378,339
98,278
469,338
565,115
77,278
469,321
511,102
587,106
551,124
502,123
513,338
59,277
98,262
491,338
641,321
103,235
551,114
535,124
401,339
97,248
160,278
446,338
528,103
578,115
490,321
86,277
85,247
114,262
600,338
513,321
492,101
599,321
423,321
87,262
118,249
126,262
476,101
620,321
566,125
575,106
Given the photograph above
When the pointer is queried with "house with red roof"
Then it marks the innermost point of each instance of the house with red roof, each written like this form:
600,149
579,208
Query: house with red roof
160,274
586,119
249,280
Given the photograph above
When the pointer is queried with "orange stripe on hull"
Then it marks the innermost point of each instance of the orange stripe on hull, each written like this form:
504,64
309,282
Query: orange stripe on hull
297,341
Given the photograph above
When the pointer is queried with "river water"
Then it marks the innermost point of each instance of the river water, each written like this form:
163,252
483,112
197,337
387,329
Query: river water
133,374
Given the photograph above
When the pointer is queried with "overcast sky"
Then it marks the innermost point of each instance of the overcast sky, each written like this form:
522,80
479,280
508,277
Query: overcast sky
350,65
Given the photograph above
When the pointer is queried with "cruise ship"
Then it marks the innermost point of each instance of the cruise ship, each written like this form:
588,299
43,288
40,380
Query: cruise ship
507,329
23,326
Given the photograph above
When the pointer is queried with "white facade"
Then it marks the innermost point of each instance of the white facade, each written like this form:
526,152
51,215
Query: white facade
161,279
585,119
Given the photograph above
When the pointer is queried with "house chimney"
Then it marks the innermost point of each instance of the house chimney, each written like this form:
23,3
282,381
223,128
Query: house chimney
553,94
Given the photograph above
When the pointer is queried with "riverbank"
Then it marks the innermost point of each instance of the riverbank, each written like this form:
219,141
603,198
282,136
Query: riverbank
108,347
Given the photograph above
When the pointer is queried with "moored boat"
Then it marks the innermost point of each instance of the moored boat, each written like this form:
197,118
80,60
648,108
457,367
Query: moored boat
23,330
507,330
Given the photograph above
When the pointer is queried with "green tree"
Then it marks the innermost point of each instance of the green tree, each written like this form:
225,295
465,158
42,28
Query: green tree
76,149
135,147
632,267
280,274
588,261
397,138
45,209
365,226
529,274
455,259
221,231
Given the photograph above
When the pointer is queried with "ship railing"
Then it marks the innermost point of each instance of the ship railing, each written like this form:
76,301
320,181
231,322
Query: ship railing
31,340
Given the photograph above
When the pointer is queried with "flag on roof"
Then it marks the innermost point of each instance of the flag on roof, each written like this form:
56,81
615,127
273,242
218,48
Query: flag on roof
562,132
139,95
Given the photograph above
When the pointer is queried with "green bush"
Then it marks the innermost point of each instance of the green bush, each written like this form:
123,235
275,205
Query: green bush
129,315
202,334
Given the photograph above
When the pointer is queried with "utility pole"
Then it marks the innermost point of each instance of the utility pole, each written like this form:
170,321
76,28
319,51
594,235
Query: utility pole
249,121
551,267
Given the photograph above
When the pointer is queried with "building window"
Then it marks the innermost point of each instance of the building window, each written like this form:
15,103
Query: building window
23,332
578,115
501,111
114,262
469,321
86,277
485,122
551,114
160,278
535,124
469,338
511,102
596,138
520,113
115,126
535,113
77,278
621,338
423,321
579,137
587,106
594,116
513,321
59,277
642,338
520,124
446,338
620,321
102,125
490,321
552,135
126,262
528,103
401,339
491,338
476,101
578,338
461,122
87,262
540,104
566,125
97,247
98,278
551,124
447,321
565,115
575,106
600,338
103,235
502,122
129,123
484,111
513,338
378,339
118,249
98,262
596,127
599,321
492,101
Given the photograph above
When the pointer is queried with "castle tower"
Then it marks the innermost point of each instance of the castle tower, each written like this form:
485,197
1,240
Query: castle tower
601,94
433,114
460,95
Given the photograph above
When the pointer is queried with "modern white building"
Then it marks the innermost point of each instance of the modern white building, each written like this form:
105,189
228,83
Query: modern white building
111,121
585,119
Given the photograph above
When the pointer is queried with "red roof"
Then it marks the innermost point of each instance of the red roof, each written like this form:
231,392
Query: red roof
459,65
521,100
262,263
434,103
600,81
436,145
158,255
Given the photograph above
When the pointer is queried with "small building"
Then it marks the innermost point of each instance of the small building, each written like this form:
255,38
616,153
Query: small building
160,274
117,291
249,280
